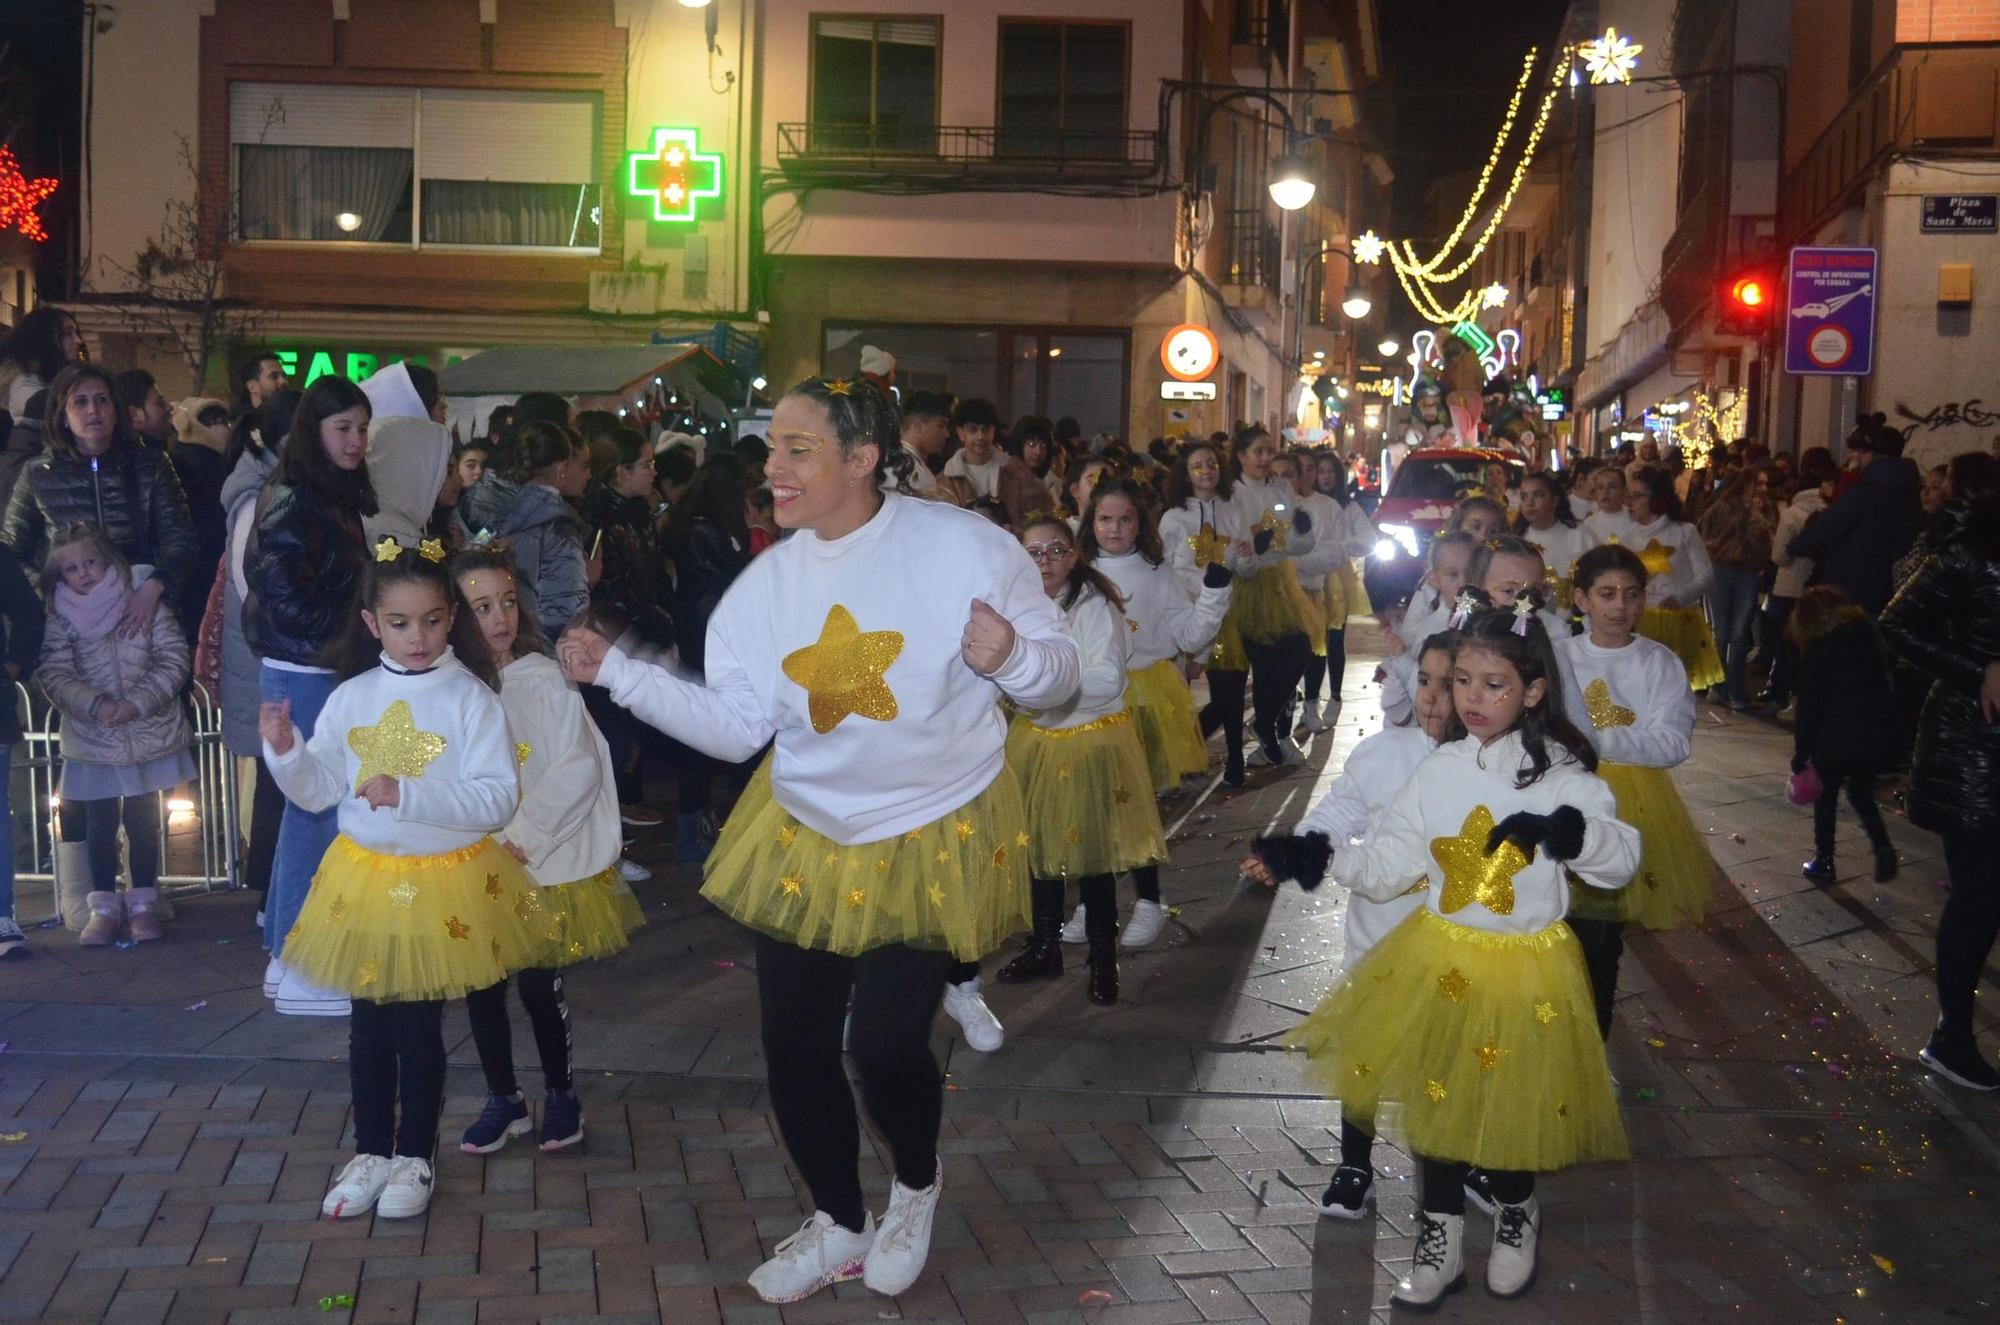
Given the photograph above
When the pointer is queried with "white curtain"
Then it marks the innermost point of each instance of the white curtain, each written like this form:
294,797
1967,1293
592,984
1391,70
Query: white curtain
487,212
300,192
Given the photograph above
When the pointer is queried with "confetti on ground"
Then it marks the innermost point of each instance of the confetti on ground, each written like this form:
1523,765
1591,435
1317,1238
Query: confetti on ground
1093,1297
724,963
1648,1093
197,1006
123,944
1657,1043
1737,838
11,1137
337,1300
1883,1263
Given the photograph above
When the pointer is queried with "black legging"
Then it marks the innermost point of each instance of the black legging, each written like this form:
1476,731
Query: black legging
1603,944
267,810
1146,883
95,824
804,996
395,1052
1333,665
1860,794
1444,1185
548,1016
1357,1145
1966,927
1276,668
1225,710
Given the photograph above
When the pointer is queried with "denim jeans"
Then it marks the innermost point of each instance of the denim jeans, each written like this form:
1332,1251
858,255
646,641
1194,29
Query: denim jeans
302,837
1732,603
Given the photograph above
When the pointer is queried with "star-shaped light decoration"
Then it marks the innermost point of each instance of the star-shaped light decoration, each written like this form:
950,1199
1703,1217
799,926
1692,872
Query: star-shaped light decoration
842,674
1494,296
1470,875
20,196
394,746
1610,58
1209,547
1368,247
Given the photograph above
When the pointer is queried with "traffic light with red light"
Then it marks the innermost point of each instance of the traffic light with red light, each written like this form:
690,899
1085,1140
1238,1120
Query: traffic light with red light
1745,302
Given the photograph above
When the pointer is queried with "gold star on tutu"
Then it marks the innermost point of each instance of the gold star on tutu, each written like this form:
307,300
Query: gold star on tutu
371,970
1209,547
1545,1013
1470,875
943,856
936,890
1435,1091
788,835
394,746
456,928
881,867
792,884
1454,985
855,897
1604,711
338,911
1021,839
1489,1055
964,831
404,894
1658,559
493,886
842,674
1120,795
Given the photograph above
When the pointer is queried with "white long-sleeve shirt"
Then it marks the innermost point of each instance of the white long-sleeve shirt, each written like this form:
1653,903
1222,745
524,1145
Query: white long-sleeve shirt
1164,619
1437,808
441,734
1689,574
905,582
568,821
1609,526
1180,527
1560,546
1254,500
1646,680
1103,649
1343,534
1358,800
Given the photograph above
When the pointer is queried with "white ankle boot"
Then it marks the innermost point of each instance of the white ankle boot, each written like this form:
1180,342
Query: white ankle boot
1511,1267
1439,1264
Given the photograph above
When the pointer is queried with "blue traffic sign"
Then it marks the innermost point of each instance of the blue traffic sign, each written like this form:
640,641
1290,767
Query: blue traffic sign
1830,312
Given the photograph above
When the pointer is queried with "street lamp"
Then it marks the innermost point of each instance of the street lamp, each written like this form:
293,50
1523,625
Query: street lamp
1387,346
1291,184
1356,303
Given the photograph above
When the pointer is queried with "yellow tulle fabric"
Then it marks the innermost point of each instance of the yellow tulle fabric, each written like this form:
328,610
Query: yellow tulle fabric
1089,796
1272,604
584,920
1676,874
1229,655
959,883
1487,1044
1339,595
1685,631
401,929
1169,732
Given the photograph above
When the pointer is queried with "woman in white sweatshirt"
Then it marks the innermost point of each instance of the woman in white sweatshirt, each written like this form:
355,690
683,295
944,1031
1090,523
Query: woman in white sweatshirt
1678,574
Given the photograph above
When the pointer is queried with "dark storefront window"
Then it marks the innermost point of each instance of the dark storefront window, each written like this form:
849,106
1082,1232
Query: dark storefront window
874,84
1051,371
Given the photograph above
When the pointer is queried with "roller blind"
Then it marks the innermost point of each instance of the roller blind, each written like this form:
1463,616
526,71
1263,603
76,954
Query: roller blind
321,115
516,137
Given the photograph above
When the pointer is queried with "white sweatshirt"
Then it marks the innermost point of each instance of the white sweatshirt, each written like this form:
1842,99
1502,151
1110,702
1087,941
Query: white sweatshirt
1560,546
1180,527
568,821
1103,649
1343,534
1645,679
1164,620
1433,808
1255,499
907,579
1690,575
1348,813
1609,526
442,734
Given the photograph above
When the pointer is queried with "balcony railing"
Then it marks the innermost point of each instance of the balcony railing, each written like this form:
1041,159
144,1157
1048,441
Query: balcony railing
1268,25
954,150
1250,248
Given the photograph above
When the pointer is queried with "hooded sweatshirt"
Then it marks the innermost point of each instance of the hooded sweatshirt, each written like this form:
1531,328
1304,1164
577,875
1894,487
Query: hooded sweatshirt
407,457
241,690
546,537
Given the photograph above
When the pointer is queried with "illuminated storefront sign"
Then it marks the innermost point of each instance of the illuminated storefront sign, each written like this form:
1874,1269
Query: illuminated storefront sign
306,366
673,175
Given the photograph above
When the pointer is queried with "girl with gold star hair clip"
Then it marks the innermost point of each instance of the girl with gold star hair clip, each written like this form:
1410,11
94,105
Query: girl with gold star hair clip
415,903
1475,1014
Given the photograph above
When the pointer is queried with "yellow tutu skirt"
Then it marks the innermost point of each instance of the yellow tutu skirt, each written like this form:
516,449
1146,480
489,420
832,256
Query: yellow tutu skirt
1487,1041
1169,732
404,929
1339,596
1676,875
1089,796
1272,604
959,883
1685,631
585,920
1229,655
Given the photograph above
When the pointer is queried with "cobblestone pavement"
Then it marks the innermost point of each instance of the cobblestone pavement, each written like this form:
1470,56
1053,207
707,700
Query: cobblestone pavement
165,1138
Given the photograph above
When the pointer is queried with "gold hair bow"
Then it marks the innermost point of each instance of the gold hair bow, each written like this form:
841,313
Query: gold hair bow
388,549
431,549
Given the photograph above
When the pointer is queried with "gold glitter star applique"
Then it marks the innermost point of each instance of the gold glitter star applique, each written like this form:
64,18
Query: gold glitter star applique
1658,559
394,746
493,886
1022,839
1133,624
1545,1013
964,831
404,894
1209,547
1470,875
1062,772
881,867
843,673
1073,836
1277,526
792,884
371,971
1562,1110
522,752
338,911
831,857
1489,1055
1361,1071
496,953
1603,711
999,858
456,928
788,835
527,901
943,856
1434,1091
1120,795
936,890
913,834
1454,985
855,897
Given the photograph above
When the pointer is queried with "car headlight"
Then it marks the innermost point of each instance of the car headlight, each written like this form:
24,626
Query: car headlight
1395,536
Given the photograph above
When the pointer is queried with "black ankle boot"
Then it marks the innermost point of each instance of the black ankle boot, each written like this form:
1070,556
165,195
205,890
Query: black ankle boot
1885,863
1820,868
1041,957
1103,938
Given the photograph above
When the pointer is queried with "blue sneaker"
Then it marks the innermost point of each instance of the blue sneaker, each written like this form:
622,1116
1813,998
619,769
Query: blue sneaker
562,1120
501,1118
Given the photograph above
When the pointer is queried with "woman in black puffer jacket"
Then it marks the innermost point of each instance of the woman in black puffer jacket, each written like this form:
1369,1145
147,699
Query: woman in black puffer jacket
618,508
1946,622
96,472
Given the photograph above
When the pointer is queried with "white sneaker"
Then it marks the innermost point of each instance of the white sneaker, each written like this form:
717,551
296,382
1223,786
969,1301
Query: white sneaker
819,1254
1511,1267
1312,718
1072,931
408,1191
633,872
1289,753
12,940
357,1188
1439,1265
903,1242
274,975
1148,919
260,919
967,1006
296,998
1256,758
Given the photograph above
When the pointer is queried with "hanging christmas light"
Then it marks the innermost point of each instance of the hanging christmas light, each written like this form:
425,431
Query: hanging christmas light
20,196
1493,296
1610,58
1368,247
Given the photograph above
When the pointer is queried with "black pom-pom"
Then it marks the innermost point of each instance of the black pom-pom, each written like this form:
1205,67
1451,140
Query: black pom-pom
1216,576
1564,839
1301,522
1261,541
1303,858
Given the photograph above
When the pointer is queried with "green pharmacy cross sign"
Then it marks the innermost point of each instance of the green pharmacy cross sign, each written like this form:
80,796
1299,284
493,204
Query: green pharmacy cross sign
674,174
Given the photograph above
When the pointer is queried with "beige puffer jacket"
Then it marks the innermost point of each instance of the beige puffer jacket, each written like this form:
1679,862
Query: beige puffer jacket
150,671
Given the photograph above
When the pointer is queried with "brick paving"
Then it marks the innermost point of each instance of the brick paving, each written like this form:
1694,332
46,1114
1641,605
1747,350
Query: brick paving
165,1139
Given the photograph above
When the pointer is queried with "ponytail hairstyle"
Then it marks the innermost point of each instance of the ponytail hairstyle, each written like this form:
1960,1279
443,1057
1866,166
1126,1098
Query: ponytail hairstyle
1660,493
93,538
356,650
1081,576
1492,630
863,415
1601,561
1148,545
1180,488
1507,545
1564,515
537,445
496,558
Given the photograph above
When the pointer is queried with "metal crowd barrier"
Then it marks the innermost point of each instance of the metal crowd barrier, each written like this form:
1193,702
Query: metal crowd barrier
216,811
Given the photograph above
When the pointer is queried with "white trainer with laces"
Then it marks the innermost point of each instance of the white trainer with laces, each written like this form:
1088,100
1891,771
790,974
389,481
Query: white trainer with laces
1511,1268
1072,930
408,1191
12,940
274,976
903,1242
819,1254
967,1006
632,871
298,998
357,1188
1148,919
1438,1266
